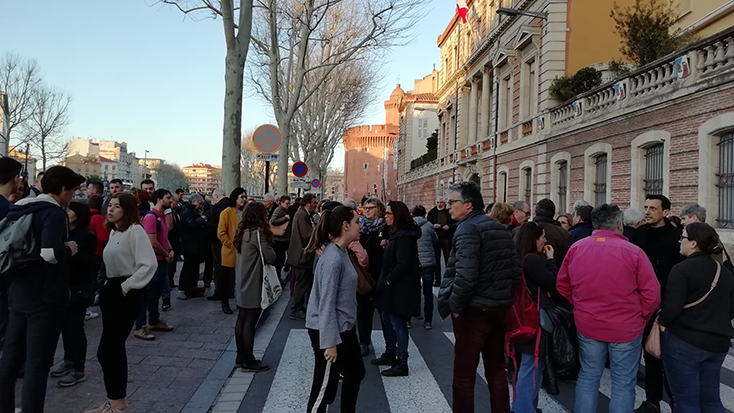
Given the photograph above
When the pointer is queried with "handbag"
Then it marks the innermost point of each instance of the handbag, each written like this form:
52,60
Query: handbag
365,282
652,345
279,230
271,288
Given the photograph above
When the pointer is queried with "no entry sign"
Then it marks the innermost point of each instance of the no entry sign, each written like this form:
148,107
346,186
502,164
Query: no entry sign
300,169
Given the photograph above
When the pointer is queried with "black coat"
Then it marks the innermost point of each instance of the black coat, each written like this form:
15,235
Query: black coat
662,246
483,268
371,243
212,222
399,285
581,230
557,237
81,265
193,231
442,217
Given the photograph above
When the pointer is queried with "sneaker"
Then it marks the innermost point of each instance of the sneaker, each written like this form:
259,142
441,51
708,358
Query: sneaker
90,315
298,315
364,349
386,359
254,368
400,369
72,378
182,295
647,407
166,304
160,326
105,408
427,325
200,284
144,334
62,369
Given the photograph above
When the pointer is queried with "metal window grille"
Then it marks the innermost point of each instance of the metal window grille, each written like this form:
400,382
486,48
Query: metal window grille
600,184
726,181
654,170
503,186
562,186
528,174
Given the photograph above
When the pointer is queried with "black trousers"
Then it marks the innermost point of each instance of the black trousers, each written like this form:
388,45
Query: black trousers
217,263
74,336
244,333
208,265
326,374
655,378
118,316
280,250
33,331
365,312
189,272
4,309
445,250
302,288
227,280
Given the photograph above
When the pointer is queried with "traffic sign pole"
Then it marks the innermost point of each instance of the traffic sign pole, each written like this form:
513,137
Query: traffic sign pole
267,177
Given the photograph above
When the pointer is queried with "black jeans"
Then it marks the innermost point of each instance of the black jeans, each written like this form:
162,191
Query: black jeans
4,310
445,250
365,312
118,316
189,272
217,263
655,378
326,374
33,331
302,288
74,336
227,280
153,294
280,248
244,333
208,265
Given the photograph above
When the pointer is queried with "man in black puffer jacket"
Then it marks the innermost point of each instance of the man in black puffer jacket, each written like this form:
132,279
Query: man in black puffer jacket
477,290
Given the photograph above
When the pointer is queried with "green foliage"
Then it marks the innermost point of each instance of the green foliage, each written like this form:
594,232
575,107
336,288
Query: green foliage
432,142
93,178
619,68
565,88
432,155
647,30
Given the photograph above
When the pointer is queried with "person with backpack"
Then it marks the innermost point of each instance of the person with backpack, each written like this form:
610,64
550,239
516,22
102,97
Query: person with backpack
154,223
82,277
131,264
39,287
539,271
614,291
477,290
10,182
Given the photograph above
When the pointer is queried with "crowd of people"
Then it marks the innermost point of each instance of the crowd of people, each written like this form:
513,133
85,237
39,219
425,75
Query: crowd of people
618,276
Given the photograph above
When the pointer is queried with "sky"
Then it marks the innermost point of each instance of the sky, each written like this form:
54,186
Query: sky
142,73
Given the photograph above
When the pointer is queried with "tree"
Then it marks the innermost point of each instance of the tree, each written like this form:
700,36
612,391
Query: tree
169,176
432,142
565,88
647,30
49,117
237,41
93,178
299,43
19,78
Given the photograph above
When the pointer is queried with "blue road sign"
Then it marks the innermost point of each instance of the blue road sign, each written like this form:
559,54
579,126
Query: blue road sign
315,183
300,169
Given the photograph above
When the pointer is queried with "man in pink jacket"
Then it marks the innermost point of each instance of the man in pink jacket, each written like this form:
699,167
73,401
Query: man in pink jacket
614,291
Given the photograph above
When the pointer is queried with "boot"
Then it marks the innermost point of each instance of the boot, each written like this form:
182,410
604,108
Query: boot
400,369
226,309
386,359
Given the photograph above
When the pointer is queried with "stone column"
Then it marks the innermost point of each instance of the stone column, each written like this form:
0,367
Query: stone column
473,112
486,99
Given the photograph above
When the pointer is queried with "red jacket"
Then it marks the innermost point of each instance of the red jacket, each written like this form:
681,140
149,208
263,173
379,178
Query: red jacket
612,286
97,226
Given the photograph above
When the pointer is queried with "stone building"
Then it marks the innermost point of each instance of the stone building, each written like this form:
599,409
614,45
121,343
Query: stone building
667,127
126,168
83,165
203,178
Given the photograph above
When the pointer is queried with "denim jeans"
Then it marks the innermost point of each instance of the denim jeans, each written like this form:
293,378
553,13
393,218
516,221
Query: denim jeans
694,375
428,274
529,380
396,333
166,285
624,359
152,295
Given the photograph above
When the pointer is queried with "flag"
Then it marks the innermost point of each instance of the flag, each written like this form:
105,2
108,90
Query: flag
462,9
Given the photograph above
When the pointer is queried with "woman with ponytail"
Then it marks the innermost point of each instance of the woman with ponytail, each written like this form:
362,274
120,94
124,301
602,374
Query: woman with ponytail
332,313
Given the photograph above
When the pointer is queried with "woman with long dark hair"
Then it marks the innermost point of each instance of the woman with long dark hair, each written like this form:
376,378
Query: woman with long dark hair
398,293
540,271
228,220
332,314
130,264
253,237
373,234
696,314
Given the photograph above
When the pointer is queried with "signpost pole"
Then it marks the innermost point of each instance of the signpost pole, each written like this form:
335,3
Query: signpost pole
267,177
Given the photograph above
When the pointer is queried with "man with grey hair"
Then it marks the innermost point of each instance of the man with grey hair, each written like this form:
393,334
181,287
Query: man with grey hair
691,214
633,219
614,291
349,202
269,201
520,216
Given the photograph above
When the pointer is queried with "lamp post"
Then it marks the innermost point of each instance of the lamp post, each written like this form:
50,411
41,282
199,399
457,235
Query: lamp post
145,163
514,12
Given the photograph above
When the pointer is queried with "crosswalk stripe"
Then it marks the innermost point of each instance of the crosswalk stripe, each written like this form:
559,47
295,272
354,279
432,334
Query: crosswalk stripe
418,392
292,382
545,402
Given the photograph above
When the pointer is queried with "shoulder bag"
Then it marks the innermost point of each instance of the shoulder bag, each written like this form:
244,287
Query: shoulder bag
279,230
652,345
365,282
271,289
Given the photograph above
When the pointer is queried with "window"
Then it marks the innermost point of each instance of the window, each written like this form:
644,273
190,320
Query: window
502,187
726,181
600,183
106,167
528,177
507,102
562,186
422,128
654,170
365,166
529,95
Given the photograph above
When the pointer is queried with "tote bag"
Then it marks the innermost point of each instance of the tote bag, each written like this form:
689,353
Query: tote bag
271,289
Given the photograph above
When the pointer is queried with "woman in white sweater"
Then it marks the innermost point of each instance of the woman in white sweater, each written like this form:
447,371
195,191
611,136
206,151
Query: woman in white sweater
130,263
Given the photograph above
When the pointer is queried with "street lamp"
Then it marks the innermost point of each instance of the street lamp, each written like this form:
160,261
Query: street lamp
145,163
514,12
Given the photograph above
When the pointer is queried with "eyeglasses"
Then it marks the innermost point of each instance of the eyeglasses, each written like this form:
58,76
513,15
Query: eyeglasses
389,213
370,207
453,201
684,238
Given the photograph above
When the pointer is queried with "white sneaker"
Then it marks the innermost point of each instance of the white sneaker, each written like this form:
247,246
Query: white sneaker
182,295
90,315
200,284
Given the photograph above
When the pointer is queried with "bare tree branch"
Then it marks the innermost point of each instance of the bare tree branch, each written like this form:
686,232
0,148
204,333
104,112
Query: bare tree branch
19,78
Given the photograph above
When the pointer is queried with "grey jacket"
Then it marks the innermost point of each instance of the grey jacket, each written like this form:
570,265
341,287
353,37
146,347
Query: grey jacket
280,216
427,243
249,269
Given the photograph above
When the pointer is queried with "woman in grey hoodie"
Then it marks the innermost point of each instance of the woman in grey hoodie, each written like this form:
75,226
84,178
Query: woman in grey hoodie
332,313
428,249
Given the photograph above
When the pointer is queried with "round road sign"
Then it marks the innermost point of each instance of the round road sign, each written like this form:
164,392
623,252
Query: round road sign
267,139
315,183
300,169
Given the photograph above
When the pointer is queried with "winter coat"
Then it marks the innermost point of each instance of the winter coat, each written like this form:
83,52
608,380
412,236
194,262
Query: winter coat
581,230
249,269
557,237
540,273
399,285
97,225
662,247
228,222
371,242
442,217
483,268
82,268
212,222
300,235
279,218
193,231
427,243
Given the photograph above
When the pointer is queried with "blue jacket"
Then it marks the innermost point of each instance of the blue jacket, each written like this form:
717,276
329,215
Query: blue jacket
581,230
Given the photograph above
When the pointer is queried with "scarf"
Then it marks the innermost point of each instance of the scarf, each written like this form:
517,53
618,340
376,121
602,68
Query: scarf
371,225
